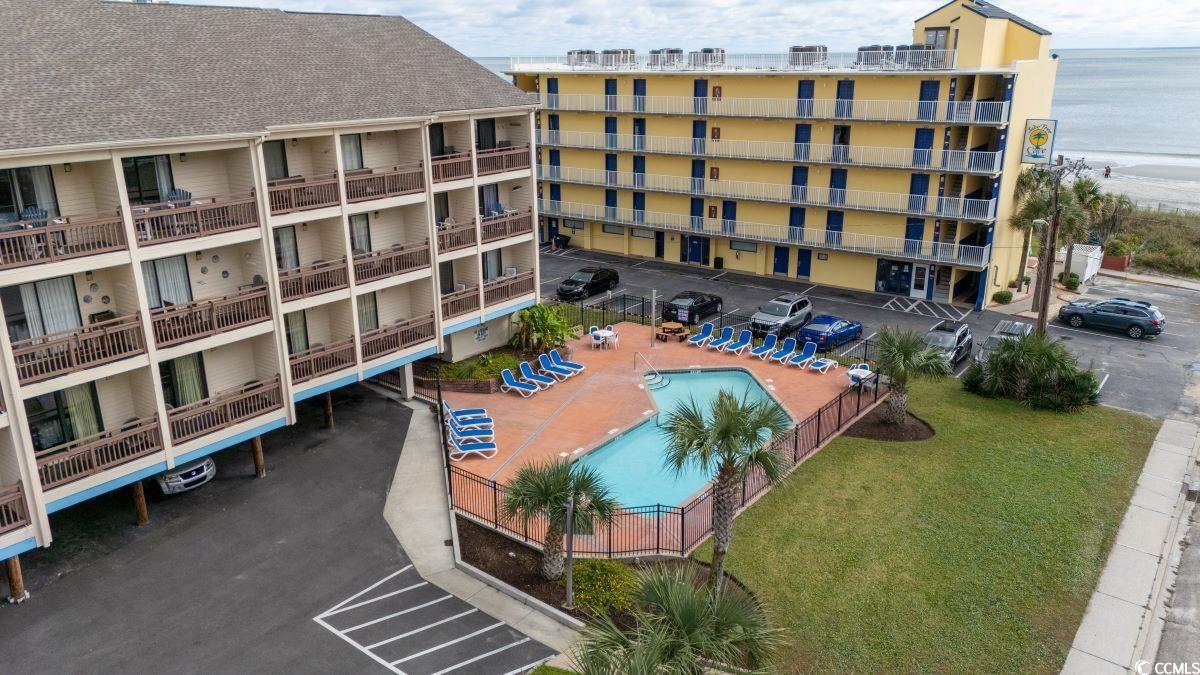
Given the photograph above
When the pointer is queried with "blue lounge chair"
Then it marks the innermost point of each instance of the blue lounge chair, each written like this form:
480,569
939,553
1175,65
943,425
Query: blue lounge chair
557,372
470,435
741,343
764,350
510,383
705,334
561,362
781,354
805,356
726,338
541,381
823,365
463,414
461,450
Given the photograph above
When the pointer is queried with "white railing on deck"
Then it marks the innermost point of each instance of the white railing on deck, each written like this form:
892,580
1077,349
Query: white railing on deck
867,60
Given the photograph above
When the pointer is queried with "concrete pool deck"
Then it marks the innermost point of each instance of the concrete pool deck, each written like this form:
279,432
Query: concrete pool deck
609,397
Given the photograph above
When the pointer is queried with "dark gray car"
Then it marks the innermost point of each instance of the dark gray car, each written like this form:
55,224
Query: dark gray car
953,339
781,316
1005,330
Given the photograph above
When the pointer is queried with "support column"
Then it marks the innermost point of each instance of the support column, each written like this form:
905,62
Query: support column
328,410
139,504
260,462
407,388
16,581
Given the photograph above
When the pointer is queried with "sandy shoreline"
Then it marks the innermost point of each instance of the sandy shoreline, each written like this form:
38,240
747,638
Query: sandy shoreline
1149,182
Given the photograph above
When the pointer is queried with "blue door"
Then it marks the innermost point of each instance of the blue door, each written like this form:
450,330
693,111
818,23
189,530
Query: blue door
555,164
845,98
610,204
699,132
923,148
660,243
610,169
697,212
639,207
800,184
796,223
700,96
833,228
728,216
918,191
927,100
555,192
803,262
639,95
552,124
697,175
610,93
914,231
551,229
610,132
639,134
837,186
804,97
841,143
783,256
697,250
639,170
803,139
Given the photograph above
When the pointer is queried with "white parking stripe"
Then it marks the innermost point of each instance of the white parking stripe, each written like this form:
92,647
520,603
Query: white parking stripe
447,644
482,656
527,667
1102,383
372,622
368,588
805,291
376,599
359,647
550,280
856,345
422,628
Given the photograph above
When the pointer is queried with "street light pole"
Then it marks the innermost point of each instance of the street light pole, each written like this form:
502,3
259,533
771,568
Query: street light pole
570,603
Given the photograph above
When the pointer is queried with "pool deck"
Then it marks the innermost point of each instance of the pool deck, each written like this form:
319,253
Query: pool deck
609,397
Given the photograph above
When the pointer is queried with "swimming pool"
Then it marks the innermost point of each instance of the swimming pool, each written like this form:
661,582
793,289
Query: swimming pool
632,464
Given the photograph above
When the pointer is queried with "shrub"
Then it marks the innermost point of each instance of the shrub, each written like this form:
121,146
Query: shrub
1072,283
1014,283
1116,247
541,328
1063,277
1002,297
486,366
604,586
1035,370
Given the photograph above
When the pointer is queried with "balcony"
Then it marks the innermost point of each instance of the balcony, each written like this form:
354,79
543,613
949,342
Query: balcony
84,457
313,279
13,512
367,184
511,223
300,193
224,410
321,360
399,259
451,167
400,335
946,161
499,160
461,301
193,217
504,289
46,356
892,247
452,237
808,60
985,113
176,324
956,208
35,242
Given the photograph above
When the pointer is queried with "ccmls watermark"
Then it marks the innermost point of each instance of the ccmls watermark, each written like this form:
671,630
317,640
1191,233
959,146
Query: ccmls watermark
1167,668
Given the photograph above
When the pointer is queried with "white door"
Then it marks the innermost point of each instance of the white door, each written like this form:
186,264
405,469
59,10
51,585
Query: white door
920,281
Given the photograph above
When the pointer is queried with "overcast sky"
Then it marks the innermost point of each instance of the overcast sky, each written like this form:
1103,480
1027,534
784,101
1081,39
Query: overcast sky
549,27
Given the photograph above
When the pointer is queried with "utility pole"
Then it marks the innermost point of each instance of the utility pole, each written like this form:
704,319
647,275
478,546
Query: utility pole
570,603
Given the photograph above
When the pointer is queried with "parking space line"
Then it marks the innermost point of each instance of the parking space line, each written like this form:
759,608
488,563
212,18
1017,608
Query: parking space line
550,280
347,638
447,644
368,589
377,599
481,656
528,667
858,343
1101,387
718,276
805,291
422,628
372,622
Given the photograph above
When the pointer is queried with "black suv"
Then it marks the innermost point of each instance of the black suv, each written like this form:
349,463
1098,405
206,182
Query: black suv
953,339
1135,318
587,282
781,316
691,307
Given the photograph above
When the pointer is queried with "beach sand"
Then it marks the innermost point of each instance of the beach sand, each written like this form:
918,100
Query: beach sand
1173,183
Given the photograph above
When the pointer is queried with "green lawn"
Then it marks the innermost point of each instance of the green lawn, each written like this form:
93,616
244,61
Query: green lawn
976,550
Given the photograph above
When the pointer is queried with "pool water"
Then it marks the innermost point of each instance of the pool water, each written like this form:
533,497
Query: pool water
631,464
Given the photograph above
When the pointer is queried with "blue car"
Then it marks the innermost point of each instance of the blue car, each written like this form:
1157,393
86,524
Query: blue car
830,331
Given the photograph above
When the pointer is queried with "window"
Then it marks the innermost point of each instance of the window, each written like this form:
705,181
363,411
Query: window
716,133
183,380
613,229
63,416
275,158
368,312
572,224
295,328
493,264
360,232
441,207
437,139
489,200
642,233
748,246
166,281
716,93
41,308
352,157
148,179
27,190
936,37
446,276
485,134
714,173
287,255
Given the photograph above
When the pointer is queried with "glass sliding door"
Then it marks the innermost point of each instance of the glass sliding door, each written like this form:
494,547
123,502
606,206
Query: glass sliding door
368,312
148,179
493,265
437,139
296,329
41,308
287,254
489,199
485,134
27,193
63,416
275,158
167,281
352,157
360,233
183,380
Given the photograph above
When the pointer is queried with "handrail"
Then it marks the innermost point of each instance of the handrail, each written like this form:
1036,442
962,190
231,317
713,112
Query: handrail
648,364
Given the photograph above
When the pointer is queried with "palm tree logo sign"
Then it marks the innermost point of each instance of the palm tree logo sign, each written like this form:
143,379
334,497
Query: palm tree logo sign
1037,136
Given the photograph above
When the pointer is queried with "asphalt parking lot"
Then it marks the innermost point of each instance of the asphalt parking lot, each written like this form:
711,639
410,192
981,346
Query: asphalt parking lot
298,572
1154,376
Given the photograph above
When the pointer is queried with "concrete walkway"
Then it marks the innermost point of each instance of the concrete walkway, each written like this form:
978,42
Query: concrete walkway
1124,620
418,512
1156,279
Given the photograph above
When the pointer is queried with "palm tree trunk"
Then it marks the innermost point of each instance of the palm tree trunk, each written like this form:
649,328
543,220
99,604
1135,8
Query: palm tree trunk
725,503
1024,257
1067,262
896,410
553,555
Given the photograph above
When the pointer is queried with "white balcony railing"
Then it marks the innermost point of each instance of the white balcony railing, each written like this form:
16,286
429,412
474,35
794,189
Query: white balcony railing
925,206
949,161
942,112
893,247
866,60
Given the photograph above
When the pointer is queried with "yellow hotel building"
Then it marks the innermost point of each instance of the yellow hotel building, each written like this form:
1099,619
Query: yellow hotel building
890,169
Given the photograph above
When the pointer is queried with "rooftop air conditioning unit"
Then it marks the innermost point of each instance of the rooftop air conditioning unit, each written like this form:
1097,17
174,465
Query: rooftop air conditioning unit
618,58
707,57
668,57
581,57
808,55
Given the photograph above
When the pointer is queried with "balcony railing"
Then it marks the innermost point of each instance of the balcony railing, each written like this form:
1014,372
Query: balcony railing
507,288
450,167
460,302
454,237
398,259
508,224
400,335
13,512
175,324
499,160
321,360
34,242
816,59
193,217
224,410
991,113
925,206
367,184
948,161
84,457
891,247
313,279
301,193
45,356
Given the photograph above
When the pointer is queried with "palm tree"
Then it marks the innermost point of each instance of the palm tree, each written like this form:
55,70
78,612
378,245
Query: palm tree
680,628
540,492
903,356
728,441
1032,196
1080,214
1111,215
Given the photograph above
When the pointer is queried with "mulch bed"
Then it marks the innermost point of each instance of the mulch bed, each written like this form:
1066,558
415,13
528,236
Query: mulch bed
874,427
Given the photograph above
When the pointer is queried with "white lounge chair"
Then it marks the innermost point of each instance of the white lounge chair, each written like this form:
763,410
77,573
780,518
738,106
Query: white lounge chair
461,451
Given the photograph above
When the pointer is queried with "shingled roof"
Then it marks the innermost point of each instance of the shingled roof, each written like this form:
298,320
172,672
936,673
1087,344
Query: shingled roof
83,71
991,11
